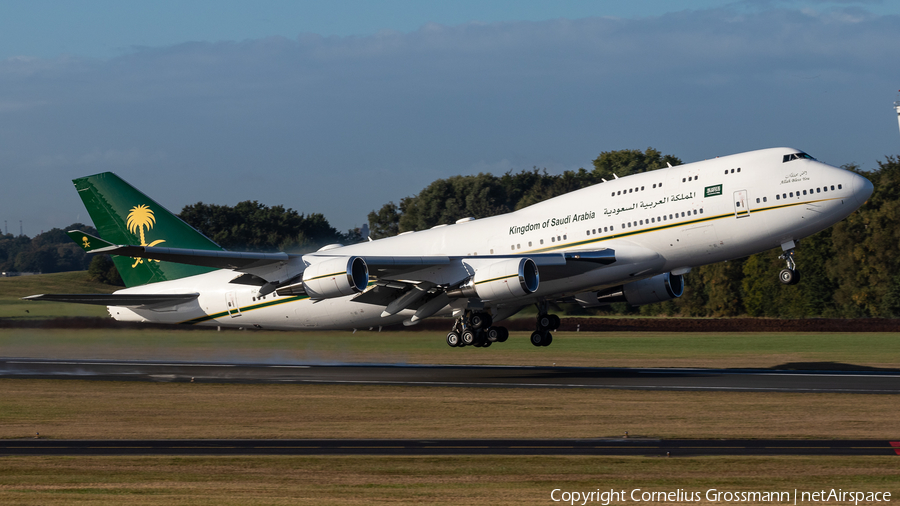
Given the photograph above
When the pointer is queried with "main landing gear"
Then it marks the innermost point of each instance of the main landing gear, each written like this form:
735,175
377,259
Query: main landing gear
545,323
790,275
475,329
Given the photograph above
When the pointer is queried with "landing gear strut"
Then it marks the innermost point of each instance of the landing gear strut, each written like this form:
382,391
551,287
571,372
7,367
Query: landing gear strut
545,323
790,275
475,329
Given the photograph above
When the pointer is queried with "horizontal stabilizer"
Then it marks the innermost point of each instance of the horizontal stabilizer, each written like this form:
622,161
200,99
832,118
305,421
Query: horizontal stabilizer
88,242
118,299
206,258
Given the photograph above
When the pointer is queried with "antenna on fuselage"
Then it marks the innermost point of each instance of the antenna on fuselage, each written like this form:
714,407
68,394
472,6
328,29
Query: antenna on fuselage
615,176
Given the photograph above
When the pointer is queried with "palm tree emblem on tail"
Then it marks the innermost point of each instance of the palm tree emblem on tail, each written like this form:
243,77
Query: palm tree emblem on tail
140,218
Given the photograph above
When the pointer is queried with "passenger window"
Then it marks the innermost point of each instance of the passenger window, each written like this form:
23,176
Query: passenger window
784,195
613,194
757,200
683,180
654,185
804,192
542,241
832,187
695,212
610,228
765,199
629,190
777,197
739,169
825,188
840,187
642,188
701,210
818,190
792,194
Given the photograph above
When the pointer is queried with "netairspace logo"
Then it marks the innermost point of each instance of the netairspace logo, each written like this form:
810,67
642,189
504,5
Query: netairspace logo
606,497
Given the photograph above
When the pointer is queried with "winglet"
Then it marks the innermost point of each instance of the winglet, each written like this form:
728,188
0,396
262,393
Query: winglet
87,242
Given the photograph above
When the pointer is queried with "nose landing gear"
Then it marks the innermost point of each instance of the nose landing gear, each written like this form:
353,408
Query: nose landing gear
790,275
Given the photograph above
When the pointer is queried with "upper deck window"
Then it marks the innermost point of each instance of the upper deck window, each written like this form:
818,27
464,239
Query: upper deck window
796,156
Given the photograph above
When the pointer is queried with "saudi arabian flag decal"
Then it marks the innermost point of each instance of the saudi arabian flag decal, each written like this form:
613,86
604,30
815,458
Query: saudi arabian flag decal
712,191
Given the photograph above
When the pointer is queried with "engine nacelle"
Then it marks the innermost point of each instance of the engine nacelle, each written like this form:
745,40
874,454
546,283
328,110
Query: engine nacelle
336,277
506,279
659,288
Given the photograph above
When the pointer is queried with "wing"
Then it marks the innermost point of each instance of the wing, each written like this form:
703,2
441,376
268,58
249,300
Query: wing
113,299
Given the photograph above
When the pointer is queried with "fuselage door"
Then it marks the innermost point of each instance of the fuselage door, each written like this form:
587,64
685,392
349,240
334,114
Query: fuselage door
231,305
741,204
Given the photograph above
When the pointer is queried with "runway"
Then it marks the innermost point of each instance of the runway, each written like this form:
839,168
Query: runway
405,447
758,380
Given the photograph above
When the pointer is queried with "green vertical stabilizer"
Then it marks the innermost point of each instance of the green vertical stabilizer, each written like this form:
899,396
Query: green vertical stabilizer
125,216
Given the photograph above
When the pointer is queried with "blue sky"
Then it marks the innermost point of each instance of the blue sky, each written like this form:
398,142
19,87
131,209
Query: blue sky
340,107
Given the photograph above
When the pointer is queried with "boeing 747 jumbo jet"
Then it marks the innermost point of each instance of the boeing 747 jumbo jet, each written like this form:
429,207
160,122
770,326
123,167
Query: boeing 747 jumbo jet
631,239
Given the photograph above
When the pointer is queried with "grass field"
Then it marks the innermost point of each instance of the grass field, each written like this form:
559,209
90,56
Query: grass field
417,480
69,409
608,349
94,409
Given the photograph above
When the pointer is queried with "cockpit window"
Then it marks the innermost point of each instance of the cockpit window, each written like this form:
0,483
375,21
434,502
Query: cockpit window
796,156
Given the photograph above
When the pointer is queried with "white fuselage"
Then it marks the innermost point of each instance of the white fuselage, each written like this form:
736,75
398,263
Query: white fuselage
665,220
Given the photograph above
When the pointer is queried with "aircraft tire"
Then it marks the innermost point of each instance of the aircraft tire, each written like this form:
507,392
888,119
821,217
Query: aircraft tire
537,338
554,322
453,340
468,338
481,321
547,340
493,334
504,335
789,277
486,344
544,321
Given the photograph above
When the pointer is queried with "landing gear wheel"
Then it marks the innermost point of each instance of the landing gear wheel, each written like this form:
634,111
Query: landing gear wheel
486,344
547,340
481,320
554,322
538,337
468,338
453,339
504,335
493,334
544,321
789,276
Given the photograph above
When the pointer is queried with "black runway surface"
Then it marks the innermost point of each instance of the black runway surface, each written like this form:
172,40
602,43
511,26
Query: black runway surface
405,447
760,380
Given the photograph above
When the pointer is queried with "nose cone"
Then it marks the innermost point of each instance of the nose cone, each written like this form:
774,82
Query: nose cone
862,189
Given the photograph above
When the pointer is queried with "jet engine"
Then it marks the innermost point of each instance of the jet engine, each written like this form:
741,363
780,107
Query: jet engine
659,288
336,277
506,279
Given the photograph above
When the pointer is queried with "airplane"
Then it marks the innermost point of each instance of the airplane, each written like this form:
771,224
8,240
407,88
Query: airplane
630,240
